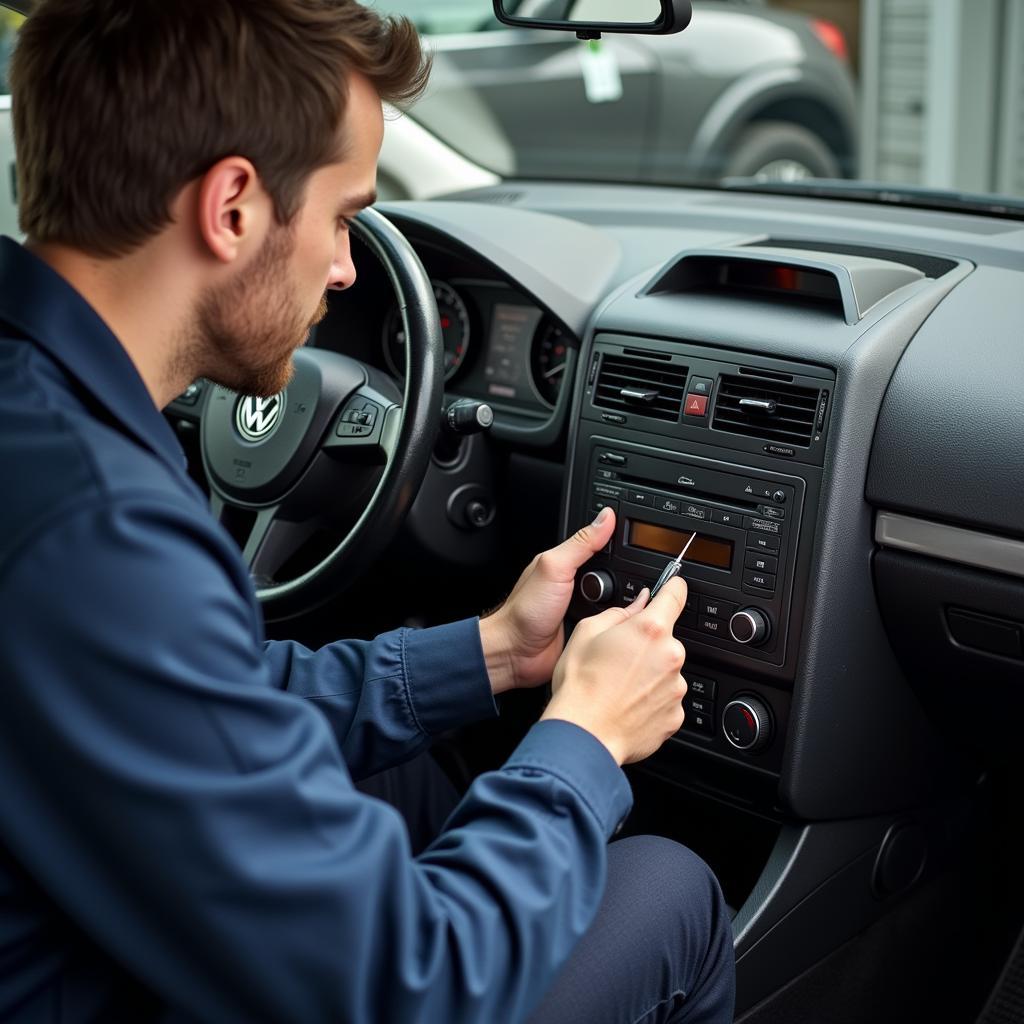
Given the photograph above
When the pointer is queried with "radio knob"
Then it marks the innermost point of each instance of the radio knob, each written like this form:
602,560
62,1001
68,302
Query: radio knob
747,723
597,586
750,626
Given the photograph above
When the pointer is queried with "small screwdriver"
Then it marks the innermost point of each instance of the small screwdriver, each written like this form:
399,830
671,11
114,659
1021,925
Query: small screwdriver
672,569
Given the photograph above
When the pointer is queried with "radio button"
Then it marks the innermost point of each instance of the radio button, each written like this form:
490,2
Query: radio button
607,491
640,498
695,511
693,600
763,542
716,627
771,512
764,563
726,518
760,580
630,589
698,686
667,505
762,525
717,609
758,489
607,474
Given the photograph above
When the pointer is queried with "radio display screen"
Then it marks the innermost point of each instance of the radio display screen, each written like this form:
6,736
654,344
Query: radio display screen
712,551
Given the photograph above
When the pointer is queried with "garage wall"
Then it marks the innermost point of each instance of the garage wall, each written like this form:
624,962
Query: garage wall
1011,128
942,98
895,39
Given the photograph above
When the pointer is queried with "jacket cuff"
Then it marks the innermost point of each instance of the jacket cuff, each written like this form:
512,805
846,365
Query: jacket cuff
581,761
446,676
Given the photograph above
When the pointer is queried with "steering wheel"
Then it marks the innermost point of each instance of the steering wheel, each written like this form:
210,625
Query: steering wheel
336,458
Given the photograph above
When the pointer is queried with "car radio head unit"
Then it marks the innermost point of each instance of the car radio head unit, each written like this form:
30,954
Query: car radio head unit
738,568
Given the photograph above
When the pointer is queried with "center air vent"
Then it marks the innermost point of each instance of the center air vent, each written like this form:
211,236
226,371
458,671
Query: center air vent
767,410
641,385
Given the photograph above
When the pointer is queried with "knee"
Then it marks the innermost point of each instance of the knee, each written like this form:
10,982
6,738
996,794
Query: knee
676,881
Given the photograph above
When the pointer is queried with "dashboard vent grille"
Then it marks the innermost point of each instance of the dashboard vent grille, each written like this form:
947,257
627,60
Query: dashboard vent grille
766,409
640,385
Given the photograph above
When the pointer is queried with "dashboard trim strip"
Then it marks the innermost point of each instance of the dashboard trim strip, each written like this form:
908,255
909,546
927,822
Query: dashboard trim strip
950,543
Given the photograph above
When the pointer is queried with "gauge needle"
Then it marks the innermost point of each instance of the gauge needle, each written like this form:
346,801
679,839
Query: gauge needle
554,372
672,569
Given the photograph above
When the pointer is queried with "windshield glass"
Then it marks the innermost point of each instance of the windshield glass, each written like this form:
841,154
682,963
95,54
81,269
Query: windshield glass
907,93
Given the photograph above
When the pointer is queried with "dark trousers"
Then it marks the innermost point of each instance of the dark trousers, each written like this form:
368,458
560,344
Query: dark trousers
660,950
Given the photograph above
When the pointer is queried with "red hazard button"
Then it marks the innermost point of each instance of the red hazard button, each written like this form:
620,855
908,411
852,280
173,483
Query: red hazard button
696,405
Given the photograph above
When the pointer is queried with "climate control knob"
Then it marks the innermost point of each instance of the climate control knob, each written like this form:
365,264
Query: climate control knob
750,626
747,723
597,586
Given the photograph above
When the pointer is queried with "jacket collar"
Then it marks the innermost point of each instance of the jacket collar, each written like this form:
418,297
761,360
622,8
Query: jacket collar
40,304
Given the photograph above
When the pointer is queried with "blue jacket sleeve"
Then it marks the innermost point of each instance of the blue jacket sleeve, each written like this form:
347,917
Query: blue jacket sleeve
200,826
385,698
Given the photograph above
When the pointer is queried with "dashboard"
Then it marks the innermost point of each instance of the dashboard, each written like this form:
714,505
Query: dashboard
771,373
500,346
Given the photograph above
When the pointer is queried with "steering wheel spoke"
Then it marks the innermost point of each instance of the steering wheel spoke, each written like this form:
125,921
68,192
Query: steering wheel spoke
267,539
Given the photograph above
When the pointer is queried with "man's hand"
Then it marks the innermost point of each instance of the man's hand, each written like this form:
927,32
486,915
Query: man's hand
523,639
619,677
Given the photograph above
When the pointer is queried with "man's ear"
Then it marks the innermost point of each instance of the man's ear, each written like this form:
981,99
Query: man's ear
234,209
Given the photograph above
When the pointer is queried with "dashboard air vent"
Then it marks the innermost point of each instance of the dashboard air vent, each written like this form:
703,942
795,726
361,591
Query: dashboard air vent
766,409
639,385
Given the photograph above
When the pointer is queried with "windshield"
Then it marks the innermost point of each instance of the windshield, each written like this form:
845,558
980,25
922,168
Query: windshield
906,93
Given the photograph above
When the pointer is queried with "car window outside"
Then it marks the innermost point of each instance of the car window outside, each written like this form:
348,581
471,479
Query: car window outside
10,22
882,91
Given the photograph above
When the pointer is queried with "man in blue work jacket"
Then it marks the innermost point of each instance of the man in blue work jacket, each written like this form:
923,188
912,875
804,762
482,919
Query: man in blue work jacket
181,837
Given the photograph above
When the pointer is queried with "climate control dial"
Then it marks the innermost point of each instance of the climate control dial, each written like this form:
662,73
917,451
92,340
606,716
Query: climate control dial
747,723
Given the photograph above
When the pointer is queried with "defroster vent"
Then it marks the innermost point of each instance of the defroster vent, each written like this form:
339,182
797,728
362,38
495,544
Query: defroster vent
766,409
644,386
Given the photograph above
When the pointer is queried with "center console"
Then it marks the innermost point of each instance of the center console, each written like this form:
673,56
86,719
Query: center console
680,440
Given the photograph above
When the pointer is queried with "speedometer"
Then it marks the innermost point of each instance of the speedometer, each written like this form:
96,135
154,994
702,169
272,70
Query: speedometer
548,361
454,329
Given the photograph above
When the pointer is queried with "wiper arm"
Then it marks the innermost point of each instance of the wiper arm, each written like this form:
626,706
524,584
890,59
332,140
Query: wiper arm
916,196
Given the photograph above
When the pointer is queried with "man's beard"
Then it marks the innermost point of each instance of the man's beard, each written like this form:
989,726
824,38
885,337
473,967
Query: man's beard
247,331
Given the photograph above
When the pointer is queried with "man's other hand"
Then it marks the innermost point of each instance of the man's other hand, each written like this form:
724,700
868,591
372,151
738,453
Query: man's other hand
619,677
523,639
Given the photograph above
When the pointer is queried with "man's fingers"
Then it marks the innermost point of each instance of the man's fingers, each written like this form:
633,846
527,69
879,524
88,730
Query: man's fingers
586,542
638,604
594,624
669,602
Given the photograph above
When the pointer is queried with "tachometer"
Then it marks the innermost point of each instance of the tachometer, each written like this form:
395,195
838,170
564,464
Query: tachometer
454,328
548,361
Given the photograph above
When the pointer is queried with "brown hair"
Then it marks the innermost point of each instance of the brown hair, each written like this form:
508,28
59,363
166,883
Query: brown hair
118,105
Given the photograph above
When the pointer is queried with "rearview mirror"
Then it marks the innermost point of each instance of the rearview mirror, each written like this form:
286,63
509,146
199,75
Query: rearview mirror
589,18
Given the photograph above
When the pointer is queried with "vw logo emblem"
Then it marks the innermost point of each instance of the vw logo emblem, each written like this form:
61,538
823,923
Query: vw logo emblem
257,418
